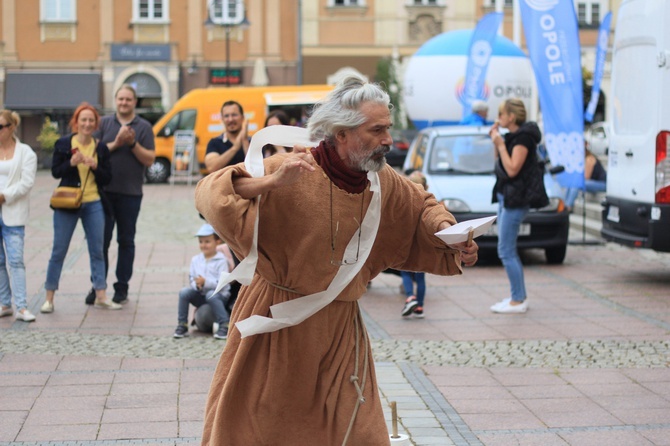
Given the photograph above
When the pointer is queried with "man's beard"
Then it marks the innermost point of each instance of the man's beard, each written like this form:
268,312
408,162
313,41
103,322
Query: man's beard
366,162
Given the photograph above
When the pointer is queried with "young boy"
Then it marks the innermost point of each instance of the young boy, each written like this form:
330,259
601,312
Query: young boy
206,268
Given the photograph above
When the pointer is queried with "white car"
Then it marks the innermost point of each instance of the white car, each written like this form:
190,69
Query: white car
458,163
598,138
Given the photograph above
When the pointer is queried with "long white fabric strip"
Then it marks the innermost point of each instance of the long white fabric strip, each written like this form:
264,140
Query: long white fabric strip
287,314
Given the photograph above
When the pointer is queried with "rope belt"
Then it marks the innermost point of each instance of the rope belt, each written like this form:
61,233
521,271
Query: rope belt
355,378
283,288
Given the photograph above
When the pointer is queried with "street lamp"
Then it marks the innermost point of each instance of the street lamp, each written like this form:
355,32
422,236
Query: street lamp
228,14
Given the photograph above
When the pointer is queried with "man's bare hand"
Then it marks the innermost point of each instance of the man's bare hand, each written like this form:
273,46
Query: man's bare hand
242,136
468,252
293,167
126,136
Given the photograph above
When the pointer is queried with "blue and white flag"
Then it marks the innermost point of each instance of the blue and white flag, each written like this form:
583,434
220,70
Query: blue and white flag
552,37
601,52
479,54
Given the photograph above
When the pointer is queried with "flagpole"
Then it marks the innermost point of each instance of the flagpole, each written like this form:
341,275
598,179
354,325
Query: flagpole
583,241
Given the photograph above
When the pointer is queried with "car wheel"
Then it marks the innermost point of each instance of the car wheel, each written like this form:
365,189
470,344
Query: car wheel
556,255
159,171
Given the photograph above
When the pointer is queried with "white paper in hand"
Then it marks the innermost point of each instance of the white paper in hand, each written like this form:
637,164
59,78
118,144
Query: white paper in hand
459,232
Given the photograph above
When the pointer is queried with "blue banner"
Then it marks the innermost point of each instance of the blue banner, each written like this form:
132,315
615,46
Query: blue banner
552,37
479,55
601,52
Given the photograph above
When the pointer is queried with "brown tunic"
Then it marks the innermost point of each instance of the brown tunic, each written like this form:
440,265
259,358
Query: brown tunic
294,386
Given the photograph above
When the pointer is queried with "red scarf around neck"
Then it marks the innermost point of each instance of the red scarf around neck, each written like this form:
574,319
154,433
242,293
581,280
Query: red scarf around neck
342,176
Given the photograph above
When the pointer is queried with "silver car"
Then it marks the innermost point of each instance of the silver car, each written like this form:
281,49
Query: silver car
458,163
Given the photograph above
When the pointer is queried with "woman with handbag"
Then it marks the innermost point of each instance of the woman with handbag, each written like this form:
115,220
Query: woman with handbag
519,186
18,164
80,161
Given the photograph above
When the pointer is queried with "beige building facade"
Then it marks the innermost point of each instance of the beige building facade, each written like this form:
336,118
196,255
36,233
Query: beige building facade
56,53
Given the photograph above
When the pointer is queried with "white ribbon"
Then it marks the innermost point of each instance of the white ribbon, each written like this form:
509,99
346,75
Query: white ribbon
287,314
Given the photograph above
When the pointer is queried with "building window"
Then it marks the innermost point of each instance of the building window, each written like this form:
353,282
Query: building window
151,10
595,13
581,12
492,3
425,2
226,11
589,14
58,10
346,3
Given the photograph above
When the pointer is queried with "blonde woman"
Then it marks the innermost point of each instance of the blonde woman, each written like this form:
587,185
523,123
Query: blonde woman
18,165
516,158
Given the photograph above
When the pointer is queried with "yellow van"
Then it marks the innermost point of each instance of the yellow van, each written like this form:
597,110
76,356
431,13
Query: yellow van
199,111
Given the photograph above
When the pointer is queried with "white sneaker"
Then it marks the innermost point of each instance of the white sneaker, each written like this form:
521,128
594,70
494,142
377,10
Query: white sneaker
503,302
215,327
505,306
25,316
6,311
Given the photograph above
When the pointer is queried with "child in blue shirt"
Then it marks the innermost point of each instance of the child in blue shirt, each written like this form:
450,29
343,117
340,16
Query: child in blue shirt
206,268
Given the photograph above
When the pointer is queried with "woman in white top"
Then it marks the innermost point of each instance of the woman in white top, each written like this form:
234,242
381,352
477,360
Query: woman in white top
18,165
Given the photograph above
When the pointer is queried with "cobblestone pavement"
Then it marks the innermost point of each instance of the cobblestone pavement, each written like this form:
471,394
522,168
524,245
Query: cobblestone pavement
589,364
536,353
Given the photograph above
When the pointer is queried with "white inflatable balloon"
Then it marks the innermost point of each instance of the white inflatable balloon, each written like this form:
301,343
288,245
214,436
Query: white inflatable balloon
433,82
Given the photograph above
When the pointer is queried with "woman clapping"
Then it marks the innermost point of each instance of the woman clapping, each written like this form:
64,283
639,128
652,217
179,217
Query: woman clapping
80,160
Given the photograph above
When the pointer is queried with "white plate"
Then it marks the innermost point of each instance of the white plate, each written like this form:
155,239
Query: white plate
459,232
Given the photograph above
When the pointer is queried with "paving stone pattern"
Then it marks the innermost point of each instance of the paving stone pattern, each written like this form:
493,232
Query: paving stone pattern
589,364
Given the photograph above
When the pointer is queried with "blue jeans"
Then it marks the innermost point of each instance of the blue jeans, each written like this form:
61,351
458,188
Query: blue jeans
509,221
217,301
408,280
125,211
11,251
92,217
589,186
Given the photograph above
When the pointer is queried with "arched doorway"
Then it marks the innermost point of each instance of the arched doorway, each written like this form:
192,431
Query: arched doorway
149,96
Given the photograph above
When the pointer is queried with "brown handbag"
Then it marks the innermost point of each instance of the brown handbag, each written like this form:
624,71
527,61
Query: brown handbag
68,197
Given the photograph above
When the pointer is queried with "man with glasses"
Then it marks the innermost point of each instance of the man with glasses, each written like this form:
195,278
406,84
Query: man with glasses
297,361
231,146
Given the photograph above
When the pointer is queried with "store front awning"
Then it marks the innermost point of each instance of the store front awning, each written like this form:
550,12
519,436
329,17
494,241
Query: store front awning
51,91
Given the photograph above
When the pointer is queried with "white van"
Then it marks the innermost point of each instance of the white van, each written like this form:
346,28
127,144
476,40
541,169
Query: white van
637,204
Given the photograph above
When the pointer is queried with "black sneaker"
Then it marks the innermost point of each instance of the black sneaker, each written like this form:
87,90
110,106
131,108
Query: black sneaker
418,313
90,297
222,333
180,332
120,297
410,305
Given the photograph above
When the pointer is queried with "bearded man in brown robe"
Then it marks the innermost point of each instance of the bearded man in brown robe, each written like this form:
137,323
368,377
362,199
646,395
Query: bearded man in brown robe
329,220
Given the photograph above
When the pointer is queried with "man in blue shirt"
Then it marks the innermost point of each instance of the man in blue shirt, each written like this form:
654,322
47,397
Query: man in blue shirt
480,110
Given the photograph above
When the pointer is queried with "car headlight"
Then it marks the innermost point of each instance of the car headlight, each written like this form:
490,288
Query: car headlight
455,205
